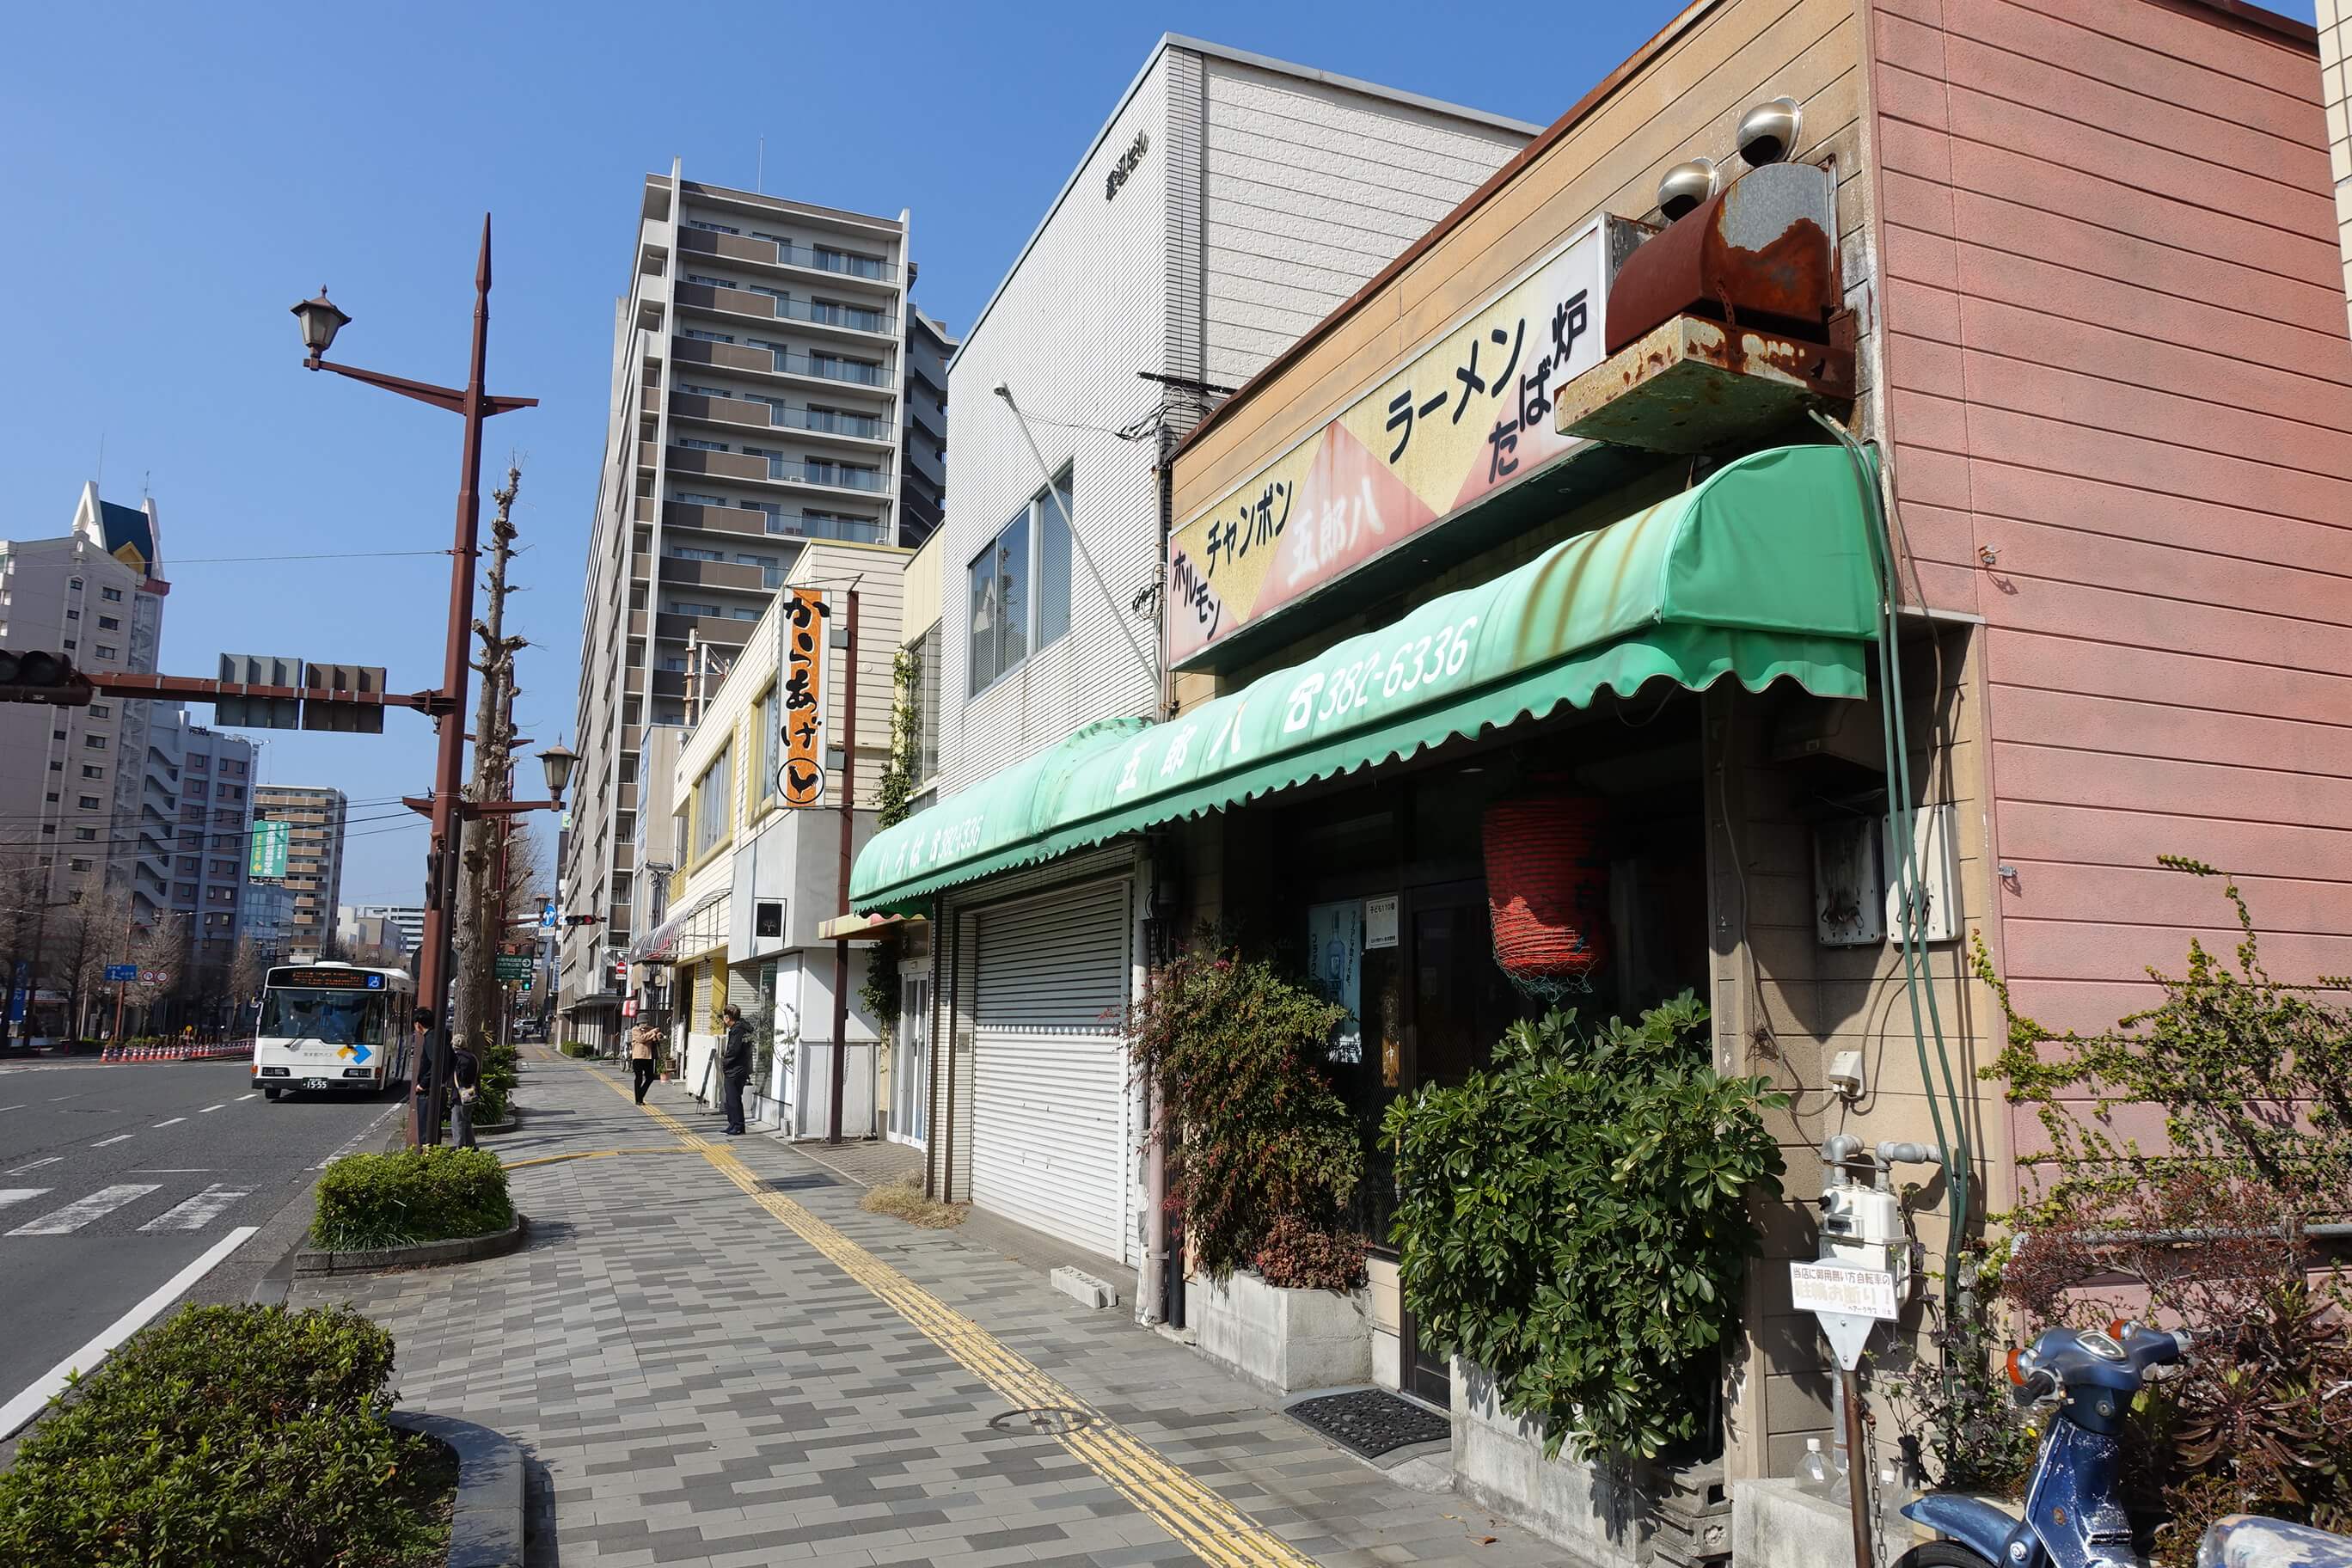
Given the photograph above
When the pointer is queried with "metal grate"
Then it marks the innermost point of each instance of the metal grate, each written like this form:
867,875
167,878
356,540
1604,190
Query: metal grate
1371,1421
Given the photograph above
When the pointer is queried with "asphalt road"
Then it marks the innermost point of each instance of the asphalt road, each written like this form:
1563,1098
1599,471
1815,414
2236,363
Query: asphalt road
115,1181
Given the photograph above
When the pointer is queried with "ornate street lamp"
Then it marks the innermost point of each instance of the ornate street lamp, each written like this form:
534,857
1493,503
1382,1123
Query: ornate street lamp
321,318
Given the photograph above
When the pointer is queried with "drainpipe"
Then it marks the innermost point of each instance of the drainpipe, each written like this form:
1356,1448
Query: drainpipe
1154,1292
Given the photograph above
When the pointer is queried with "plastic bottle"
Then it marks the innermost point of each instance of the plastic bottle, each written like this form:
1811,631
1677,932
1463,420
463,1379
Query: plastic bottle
1814,1472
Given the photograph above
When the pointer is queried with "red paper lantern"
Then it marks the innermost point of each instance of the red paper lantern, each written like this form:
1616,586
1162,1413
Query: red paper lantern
1548,887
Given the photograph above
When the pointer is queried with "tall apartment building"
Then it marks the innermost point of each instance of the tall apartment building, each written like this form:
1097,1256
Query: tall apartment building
760,398
267,918
201,782
314,858
923,445
73,781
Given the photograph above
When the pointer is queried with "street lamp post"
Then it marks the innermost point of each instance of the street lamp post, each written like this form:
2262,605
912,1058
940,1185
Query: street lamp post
320,321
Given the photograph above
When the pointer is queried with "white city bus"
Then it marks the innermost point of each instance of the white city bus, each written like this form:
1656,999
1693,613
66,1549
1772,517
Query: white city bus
332,1026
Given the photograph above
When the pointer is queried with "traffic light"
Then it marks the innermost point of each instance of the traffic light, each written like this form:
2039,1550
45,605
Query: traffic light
259,712
583,920
323,683
39,676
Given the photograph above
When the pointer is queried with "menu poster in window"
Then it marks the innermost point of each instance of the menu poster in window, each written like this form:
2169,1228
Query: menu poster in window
1335,956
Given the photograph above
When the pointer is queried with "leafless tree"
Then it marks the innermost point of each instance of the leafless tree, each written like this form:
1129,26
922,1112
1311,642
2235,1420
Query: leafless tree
480,934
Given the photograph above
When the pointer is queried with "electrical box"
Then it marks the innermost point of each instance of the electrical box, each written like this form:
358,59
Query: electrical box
1849,889
1935,848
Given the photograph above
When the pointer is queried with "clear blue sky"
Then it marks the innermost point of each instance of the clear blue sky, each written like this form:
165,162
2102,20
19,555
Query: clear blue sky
177,176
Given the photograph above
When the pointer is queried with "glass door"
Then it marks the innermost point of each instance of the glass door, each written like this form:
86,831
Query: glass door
910,1069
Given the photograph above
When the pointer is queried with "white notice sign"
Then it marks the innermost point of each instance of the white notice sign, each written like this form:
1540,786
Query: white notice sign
1379,922
1830,1288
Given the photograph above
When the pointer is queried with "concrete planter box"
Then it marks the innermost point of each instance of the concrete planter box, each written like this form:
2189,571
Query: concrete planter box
310,1263
1283,1340
1608,1516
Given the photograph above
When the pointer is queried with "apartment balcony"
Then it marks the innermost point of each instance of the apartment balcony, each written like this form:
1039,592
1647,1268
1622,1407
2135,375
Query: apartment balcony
870,432
733,575
724,630
799,259
837,479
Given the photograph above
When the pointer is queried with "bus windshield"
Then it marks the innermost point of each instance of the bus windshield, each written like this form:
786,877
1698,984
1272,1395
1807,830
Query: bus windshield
333,1017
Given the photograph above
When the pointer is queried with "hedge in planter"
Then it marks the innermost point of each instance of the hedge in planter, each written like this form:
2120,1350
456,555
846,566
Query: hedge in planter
494,1096
1575,1220
368,1201
244,1435
1232,1051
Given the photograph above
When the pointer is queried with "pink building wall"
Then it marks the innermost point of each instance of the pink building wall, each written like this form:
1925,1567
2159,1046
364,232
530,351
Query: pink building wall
2117,359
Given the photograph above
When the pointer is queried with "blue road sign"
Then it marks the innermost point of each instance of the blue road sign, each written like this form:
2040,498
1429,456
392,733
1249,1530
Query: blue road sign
17,1005
122,972
546,920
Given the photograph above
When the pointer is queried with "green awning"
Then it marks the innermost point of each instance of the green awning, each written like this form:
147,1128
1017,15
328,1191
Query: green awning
1760,574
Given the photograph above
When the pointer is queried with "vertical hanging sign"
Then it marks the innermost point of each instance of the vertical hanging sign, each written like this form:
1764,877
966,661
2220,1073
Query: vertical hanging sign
800,777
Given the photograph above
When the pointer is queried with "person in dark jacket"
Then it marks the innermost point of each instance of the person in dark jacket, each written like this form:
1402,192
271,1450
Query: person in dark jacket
465,1076
735,1067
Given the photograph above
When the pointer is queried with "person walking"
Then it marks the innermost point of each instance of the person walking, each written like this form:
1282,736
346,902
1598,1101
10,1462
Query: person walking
642,1042
465,1072
735,1067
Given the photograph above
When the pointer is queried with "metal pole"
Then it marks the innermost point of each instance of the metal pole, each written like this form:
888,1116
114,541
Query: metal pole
1857,1467
440,919
849,821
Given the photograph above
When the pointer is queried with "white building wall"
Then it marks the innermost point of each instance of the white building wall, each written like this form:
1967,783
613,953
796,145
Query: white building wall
1266,195
1083,311
1312,188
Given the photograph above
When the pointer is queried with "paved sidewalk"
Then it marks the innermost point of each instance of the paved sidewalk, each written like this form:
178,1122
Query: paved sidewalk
719,1359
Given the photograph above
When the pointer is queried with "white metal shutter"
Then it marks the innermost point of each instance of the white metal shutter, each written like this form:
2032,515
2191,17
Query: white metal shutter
1049,1102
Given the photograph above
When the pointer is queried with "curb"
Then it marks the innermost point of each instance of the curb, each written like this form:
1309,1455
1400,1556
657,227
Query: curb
486,1527
488,1129
310,1264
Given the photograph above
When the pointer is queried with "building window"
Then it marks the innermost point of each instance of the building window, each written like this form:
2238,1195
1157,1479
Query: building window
714,797
51,798
81,835
91,772
232,792
198,764
691,553
105,651
72,643
86,801
191,864
194,787
74,582
73,615
78,864
696,444
184,889
765,717
709,227
91,742
1014,609
100,711
108,622
111,595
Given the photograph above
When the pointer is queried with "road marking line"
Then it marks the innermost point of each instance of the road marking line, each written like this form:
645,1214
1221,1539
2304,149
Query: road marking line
195,1213
28,1403
212,1108
118,1138
19,1106
35,1165
81,1212
255,1095
1187,1509
174,1122
77,1095
19,1195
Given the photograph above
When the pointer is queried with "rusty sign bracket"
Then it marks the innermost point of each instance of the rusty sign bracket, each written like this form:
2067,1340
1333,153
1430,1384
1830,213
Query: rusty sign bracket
1693,385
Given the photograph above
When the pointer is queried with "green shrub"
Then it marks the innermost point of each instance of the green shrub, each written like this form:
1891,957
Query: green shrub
494,1100
1575,1220
414,1195
1232,1050
578,1049
244,1435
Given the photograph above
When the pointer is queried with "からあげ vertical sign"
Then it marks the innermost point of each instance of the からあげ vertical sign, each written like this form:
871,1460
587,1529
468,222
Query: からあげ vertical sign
800,777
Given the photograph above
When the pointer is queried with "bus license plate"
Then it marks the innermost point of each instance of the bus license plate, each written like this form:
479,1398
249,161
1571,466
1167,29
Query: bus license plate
315,1083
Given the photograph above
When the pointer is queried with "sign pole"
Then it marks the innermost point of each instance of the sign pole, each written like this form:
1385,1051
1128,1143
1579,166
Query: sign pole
117,1012
848,823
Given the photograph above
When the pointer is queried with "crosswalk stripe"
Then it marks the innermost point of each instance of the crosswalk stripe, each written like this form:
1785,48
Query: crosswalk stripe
195,1213
80,1213
19,1195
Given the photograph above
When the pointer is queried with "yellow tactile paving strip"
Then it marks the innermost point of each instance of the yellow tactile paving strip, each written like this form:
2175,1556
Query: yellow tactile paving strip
1215,1531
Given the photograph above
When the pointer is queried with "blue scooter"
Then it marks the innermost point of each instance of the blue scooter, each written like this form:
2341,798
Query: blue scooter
2073,1518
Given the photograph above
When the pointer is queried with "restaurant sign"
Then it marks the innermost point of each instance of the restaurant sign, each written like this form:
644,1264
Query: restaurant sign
800,777
1467,415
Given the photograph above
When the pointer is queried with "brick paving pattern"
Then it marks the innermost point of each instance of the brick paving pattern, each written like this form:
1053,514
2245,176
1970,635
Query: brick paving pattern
699,1385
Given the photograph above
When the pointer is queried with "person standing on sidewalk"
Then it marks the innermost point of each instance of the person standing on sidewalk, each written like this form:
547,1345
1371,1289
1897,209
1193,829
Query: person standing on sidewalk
466,1073
735,1067
642,1042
